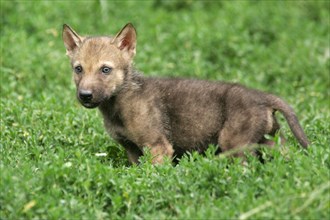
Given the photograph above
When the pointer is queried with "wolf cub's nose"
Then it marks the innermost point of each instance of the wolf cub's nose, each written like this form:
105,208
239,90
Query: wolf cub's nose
85,95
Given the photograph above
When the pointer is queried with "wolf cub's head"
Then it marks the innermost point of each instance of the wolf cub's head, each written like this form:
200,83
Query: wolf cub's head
100,64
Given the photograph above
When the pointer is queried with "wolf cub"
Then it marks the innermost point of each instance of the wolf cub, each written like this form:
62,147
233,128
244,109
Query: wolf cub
168,116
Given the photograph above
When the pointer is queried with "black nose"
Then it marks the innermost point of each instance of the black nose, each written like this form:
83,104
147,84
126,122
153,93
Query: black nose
85,95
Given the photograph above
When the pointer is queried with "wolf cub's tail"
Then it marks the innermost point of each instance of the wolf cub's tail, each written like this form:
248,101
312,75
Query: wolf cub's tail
280,105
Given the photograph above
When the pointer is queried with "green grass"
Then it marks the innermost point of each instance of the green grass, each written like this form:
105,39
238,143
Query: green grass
50,145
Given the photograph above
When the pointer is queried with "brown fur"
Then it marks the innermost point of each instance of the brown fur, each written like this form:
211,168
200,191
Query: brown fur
168,116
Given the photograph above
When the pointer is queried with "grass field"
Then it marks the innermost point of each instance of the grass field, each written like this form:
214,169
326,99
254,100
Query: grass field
57,162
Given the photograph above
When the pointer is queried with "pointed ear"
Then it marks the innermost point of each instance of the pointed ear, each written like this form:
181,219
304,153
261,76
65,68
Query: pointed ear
71,39
125,40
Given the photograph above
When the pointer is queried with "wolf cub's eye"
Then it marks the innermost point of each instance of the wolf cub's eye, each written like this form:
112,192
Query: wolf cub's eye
106,70
78,69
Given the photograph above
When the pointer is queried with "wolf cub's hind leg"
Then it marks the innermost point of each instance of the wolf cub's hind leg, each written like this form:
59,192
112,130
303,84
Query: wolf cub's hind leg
241,130
230,140
275,127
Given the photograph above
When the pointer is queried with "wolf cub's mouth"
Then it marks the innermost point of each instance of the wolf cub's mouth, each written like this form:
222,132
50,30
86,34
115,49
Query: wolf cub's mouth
89,104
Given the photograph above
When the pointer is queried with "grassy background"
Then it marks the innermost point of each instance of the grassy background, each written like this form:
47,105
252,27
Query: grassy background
50,166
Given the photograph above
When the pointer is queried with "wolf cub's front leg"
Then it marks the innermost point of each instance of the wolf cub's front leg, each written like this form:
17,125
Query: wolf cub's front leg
159,149
132,150
157,145
144,126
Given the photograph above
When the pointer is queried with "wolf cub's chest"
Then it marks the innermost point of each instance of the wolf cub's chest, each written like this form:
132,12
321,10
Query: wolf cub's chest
115,126
112,119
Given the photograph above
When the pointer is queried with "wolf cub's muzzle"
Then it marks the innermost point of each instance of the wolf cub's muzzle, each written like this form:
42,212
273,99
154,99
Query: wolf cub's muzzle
86,98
